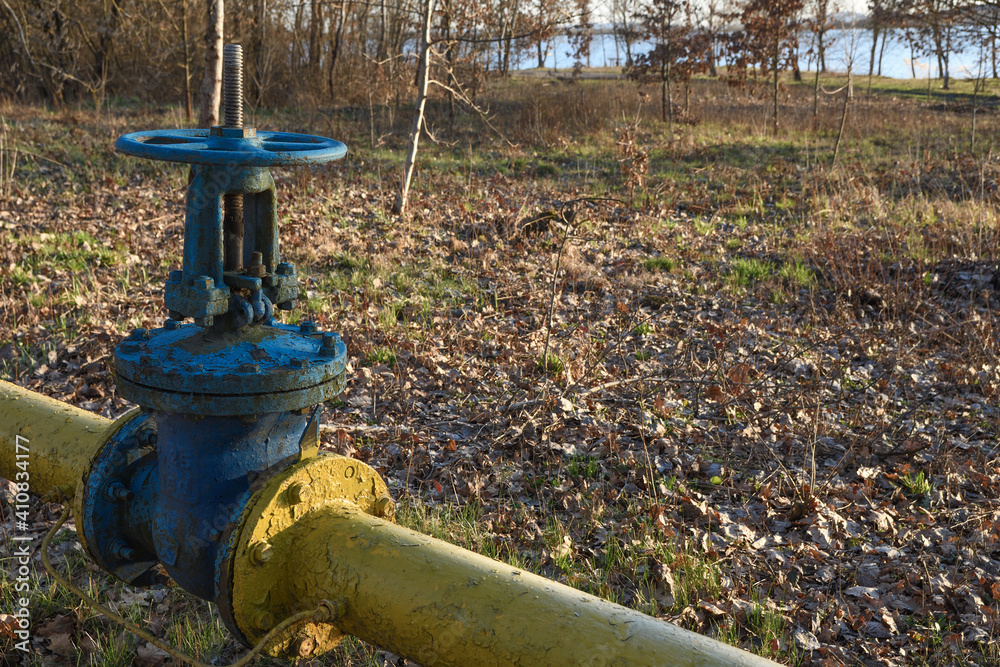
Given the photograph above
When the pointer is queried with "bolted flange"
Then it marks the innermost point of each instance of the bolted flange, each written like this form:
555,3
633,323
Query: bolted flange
245,588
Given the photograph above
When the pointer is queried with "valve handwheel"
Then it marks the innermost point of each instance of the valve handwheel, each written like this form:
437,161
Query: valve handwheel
236,147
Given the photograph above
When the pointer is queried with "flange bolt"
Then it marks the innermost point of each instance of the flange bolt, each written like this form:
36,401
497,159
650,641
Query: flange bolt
299,493
385,508
308,327
260,553
122,551
329,344
329,610
116,492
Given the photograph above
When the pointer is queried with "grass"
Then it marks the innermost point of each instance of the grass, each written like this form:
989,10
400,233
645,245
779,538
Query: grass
552,364
797,275
747,271
917,485
664,264
381,355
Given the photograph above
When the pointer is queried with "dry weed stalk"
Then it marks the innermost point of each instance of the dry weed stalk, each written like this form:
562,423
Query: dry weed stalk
634,159
8,160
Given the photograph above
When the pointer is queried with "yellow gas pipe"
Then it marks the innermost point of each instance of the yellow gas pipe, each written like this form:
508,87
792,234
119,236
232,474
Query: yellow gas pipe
52,441
318,534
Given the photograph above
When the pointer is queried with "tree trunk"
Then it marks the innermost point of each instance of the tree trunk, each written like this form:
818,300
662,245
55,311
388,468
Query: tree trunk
774,64
871,62
338,36
945,55
296,39
993,54
211,83
187,61
255,82
820,51
664,104
881,51
843,114
315,35
816,99
423,75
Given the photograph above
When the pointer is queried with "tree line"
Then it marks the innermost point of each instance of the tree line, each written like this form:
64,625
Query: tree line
348,52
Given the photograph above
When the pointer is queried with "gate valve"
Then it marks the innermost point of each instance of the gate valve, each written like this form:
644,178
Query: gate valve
228,399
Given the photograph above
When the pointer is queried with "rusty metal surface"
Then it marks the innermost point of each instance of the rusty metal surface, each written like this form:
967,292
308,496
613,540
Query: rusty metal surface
253,370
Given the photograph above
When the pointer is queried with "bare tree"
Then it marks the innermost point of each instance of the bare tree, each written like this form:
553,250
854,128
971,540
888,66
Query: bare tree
625,23
423,71
768,40
678,49
211,83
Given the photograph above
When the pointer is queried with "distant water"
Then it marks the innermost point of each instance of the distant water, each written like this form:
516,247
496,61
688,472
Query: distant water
605,51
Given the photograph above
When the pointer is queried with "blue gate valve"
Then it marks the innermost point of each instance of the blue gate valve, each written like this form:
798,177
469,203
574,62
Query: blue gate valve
228,399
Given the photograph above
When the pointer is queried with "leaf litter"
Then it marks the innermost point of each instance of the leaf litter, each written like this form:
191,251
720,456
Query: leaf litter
729,455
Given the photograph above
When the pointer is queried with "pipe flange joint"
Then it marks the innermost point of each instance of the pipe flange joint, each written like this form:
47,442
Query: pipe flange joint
247,582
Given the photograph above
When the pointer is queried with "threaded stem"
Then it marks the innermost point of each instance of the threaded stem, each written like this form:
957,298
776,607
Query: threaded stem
232,84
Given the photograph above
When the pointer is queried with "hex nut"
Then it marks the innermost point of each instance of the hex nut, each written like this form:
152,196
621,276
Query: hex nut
115,491
260,553
233,132
308,327
256,267
299,492
147,437
122,551
304,647
385,507
262,619
285,269
204,282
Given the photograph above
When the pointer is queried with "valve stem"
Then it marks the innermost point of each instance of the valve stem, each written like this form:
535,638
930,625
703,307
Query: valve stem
232,84
232,100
